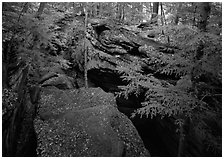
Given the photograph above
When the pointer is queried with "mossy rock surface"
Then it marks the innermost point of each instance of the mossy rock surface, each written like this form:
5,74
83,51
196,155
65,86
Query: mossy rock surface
84,122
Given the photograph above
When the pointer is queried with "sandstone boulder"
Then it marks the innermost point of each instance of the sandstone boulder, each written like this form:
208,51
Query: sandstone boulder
84,122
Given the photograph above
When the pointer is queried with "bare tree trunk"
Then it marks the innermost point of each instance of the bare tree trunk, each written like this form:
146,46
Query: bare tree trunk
120,11
176,20
85,49
117,10
155,10
150,6
204,11
163,21
162,16
195,10
181,140
123,8
41,9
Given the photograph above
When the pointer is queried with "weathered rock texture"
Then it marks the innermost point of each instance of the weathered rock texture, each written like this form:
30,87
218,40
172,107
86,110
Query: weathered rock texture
84,122
114,38
113,45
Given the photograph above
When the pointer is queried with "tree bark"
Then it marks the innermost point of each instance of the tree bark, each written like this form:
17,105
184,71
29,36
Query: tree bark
204,11
123,12
120,11
181,140
176,20
195,10
155,10
41,9
162,15
85,49
150,6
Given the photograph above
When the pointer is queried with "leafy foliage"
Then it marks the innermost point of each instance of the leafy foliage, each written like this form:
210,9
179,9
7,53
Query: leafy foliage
39,43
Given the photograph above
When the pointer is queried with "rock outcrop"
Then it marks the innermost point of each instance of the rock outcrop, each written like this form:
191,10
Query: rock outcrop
116,39
113,45
84,122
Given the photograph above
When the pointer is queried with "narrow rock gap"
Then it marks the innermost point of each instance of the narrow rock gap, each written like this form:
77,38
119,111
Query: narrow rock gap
150,130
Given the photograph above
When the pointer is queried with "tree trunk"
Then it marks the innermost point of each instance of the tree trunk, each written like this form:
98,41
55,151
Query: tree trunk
176,20
162,15
123,7
85,49
195,10
120,11
117,11
41,9
155,10
204,11
150,6
181,140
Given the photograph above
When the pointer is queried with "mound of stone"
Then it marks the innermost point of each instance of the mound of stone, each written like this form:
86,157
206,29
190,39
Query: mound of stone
84,122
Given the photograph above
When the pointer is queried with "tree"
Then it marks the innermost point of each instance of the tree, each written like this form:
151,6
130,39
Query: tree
204,11
85,47
155,11
40,9
177,15
120,11
183,100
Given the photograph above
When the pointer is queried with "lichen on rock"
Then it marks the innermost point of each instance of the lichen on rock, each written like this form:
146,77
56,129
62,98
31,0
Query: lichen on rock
84,122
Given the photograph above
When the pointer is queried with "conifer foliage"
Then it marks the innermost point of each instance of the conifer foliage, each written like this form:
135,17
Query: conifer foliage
198,82
46,40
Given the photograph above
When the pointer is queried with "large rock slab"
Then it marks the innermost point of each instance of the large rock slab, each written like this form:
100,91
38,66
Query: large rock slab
84,122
